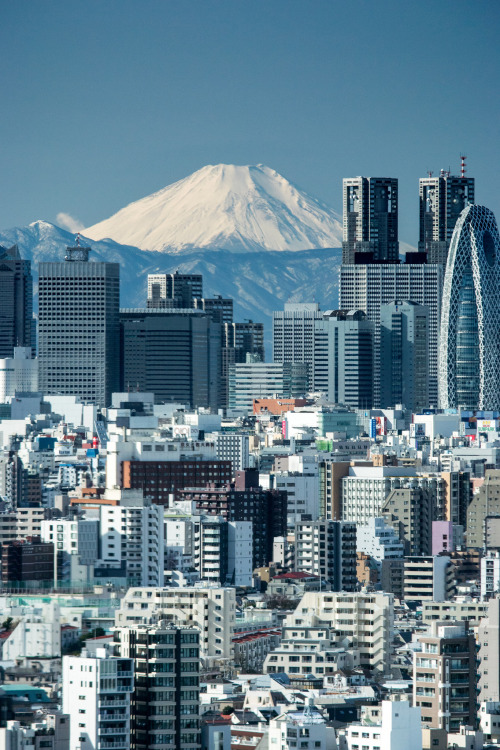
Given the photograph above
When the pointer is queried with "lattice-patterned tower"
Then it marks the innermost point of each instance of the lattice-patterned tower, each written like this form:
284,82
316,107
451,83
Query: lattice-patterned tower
469,352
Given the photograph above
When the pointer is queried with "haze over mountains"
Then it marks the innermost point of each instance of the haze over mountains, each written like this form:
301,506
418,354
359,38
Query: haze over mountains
251,233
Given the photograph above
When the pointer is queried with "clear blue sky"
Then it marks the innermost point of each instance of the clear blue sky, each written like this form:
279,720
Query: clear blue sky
105,102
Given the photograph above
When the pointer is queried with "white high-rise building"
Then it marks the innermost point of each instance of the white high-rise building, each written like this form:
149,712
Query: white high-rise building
132,536
96,694
18,373
368,287
293,332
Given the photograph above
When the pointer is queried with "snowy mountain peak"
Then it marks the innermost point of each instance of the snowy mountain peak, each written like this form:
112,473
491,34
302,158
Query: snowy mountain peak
225,207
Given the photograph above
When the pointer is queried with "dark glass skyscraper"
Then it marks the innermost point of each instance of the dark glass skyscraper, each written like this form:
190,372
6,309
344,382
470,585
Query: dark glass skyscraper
16,302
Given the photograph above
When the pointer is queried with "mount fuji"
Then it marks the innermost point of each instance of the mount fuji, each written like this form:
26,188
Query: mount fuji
252,234
225,207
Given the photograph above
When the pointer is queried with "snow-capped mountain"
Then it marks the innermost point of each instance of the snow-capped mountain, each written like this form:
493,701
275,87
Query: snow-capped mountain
225,207
259,282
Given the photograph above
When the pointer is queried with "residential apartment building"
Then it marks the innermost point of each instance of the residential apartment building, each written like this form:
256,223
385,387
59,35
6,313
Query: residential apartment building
327,549
489,653
444,677
366,619
430,578
210,608
165,704
96,693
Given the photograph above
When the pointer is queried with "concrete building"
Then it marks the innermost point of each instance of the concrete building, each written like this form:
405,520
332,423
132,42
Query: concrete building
306,729
490,574
379,540
485,503
444,677
211,608
302,491
96,694
16,305
78,327
365,490
410,511
404,355
132,538
219,308
27,564
327,549
76,548
370,213
165,703
489,653
175,354
396,726
251,380
368,287
232,447
428,578
36,635
18,373
222,550
366,619
458,610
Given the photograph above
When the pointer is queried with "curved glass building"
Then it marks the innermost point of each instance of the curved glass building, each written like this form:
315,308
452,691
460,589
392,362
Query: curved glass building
469,351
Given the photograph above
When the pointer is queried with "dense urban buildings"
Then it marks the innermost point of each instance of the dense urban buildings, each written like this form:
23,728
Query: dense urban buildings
233,552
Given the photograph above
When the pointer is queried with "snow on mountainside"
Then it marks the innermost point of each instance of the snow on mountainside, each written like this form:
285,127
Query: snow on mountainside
259,282
225,207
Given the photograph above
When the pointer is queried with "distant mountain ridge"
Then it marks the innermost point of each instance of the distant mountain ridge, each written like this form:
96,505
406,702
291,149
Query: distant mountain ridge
240,209
258,281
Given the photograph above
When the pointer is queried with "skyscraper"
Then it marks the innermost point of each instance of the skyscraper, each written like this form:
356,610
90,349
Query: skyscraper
404,355
368,287
469,355
175,354
370,210
16,302
342,359
78,327
167,290
442,199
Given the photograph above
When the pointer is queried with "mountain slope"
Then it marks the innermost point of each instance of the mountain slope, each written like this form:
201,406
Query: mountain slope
225,207
259,282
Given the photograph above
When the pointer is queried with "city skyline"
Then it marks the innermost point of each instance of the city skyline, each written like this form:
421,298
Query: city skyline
312,93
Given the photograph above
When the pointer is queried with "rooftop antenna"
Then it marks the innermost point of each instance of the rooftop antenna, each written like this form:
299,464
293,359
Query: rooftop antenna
429,173
463,167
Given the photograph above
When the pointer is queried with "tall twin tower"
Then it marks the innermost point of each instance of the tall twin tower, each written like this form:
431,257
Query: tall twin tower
454,275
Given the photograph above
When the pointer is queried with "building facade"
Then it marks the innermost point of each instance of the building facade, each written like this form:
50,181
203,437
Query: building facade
369,287
370,212
78,327
16,303
404,355
441,201
469,356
